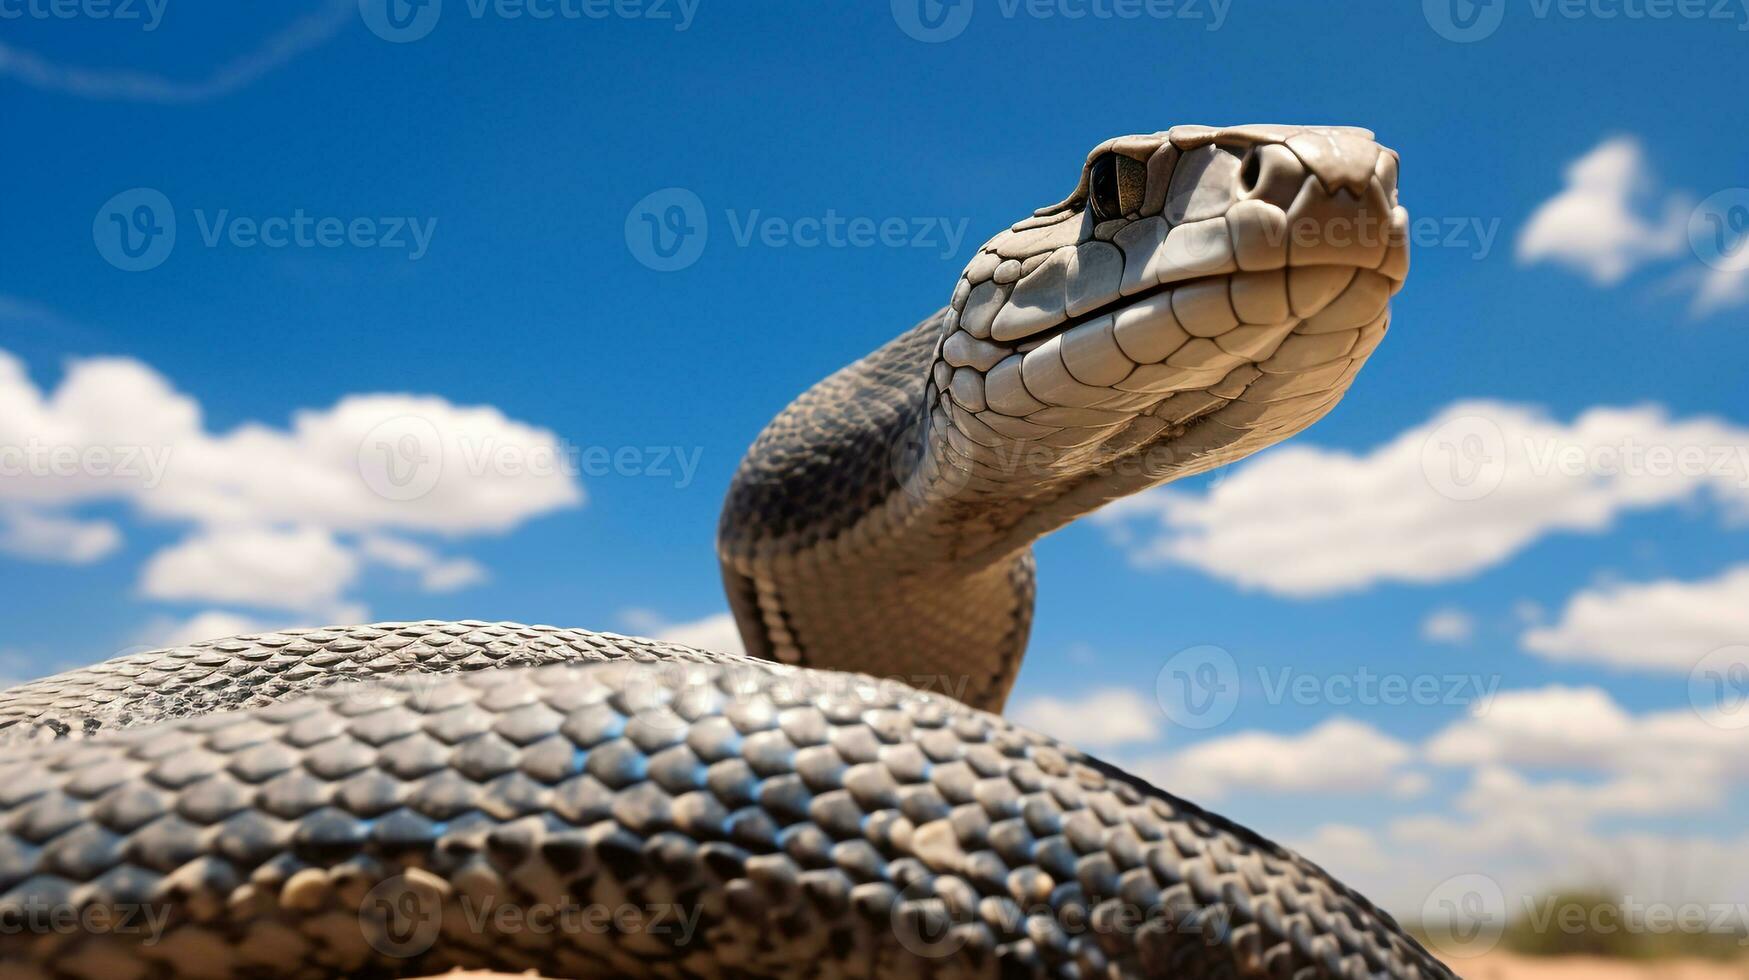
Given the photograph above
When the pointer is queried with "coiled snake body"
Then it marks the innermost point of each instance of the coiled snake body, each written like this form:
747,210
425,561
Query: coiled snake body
398,799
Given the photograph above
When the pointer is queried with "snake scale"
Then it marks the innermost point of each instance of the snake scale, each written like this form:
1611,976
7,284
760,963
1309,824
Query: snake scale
399,799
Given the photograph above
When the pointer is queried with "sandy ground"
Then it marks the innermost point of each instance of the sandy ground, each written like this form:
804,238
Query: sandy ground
1504,966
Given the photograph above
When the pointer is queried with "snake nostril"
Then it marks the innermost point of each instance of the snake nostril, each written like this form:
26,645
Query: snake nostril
1250,171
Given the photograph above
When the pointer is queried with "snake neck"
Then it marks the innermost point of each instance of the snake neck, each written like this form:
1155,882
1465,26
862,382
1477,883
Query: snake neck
847,542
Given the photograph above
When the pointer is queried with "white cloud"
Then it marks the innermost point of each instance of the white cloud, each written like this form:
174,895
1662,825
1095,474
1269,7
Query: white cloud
1612,217
1583,728
1452,626
1101,718
1338,756
303,570
715,632
1549,726
278,50
114,430
436,574
1460,493
1503,794
1596,226
1665,625
28,532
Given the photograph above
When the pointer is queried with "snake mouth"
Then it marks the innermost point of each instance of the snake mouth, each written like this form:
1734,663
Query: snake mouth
1137,301
1140,299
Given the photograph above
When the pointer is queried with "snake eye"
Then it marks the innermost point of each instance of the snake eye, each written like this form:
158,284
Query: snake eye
1116,186
1102,190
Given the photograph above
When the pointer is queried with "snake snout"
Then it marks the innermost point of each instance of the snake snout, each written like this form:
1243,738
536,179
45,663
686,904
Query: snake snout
1329,194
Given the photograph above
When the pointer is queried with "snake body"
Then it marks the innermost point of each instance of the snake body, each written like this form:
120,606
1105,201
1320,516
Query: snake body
397,799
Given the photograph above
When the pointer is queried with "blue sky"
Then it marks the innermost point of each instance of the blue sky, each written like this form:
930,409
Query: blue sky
478,183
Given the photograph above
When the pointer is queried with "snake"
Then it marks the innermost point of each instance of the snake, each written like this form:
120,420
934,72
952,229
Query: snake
844,799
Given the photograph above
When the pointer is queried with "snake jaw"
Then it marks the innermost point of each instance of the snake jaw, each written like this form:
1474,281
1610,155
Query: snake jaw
1238,276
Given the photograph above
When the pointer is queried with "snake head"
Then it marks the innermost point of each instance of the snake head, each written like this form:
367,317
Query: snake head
1206,292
